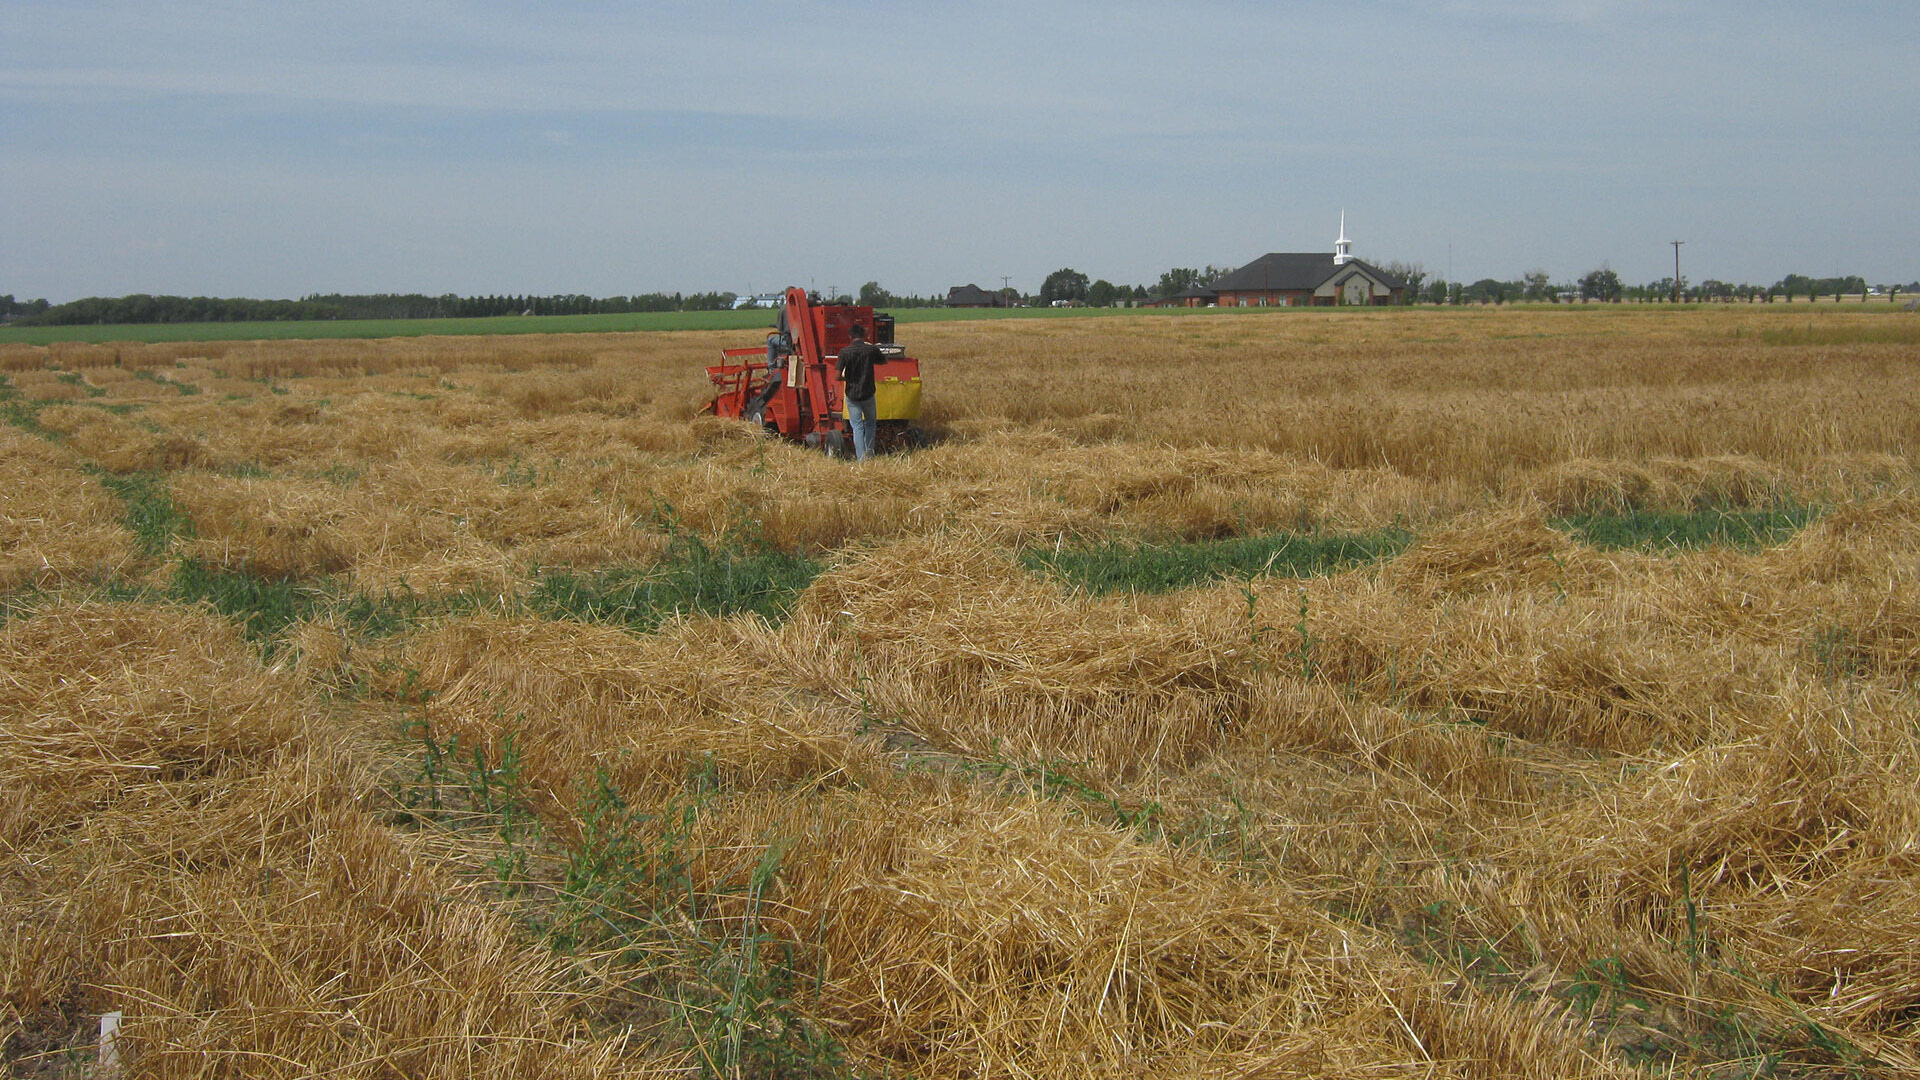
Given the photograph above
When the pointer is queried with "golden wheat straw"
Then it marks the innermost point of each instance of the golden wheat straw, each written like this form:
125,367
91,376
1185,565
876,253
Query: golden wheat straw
1501,805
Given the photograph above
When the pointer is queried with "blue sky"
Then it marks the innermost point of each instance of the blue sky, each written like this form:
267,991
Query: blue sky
255,149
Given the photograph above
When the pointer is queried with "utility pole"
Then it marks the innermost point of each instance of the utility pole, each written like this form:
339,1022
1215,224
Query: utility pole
1676,270
1004,286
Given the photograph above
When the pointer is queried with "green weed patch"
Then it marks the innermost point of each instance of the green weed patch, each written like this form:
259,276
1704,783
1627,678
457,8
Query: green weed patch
1151,568
151,516
1647,530
264,607
20,412
693,578
625,890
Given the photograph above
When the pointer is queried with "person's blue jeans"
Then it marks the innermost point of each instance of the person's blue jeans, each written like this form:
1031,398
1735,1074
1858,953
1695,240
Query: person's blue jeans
861,415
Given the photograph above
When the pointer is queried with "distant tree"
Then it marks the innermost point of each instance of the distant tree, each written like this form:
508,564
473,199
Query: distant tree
1181,278
1490,291
1536,285
1411,273
1064,285
1437,291
1602,285
1176,281
1102,293
872,295
715,301
1798,283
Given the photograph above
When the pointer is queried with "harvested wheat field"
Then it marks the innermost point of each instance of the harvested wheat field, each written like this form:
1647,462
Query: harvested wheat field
1457,693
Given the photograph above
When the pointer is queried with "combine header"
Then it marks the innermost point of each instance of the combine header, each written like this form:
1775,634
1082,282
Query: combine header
799,396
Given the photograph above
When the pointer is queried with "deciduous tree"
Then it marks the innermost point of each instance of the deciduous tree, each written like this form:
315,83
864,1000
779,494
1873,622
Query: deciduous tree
1413,274
1064,285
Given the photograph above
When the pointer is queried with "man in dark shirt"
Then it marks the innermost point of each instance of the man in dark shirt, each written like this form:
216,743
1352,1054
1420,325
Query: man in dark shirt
856,371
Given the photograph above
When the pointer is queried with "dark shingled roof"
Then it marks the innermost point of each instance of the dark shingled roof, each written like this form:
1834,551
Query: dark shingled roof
971,295
1286,270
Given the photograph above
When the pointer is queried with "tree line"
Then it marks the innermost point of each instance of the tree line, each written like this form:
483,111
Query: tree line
1063,286
1535,286
1604,285
143,308
1070,286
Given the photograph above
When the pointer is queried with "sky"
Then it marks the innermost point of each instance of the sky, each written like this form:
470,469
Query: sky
283,149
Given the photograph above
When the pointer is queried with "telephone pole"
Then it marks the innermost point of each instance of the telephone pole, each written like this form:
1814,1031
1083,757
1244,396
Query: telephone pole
1676,270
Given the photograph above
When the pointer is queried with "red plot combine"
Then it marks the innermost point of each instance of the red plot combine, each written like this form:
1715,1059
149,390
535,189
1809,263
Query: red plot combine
800,397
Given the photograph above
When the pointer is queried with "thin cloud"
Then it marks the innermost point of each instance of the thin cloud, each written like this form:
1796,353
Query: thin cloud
997,133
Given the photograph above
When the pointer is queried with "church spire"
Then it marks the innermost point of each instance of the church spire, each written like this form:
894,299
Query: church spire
1343,247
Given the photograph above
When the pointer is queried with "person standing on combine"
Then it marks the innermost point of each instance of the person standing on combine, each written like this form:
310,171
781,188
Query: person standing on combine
779,347
855,365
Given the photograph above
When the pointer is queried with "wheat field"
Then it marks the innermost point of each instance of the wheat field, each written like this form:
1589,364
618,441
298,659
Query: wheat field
334,742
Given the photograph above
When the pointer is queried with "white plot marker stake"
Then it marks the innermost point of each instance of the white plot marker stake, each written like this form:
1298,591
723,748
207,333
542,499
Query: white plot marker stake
110,1044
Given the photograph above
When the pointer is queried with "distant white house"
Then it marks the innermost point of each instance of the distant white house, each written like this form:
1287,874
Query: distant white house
765,300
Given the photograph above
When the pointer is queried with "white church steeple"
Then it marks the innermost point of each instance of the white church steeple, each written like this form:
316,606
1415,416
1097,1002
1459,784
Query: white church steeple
1343,247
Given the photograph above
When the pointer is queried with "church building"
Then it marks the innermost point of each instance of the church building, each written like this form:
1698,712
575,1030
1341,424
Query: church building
1300,279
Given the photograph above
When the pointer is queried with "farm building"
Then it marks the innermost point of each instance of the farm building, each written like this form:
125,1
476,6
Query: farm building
759,300
1299,279
971,295
1202,296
